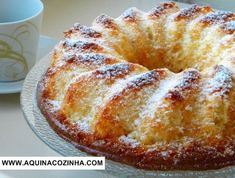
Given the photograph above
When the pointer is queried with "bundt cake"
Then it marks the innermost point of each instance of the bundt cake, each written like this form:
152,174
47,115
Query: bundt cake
153,90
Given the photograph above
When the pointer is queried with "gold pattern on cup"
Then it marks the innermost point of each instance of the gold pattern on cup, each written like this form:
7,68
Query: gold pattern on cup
17,57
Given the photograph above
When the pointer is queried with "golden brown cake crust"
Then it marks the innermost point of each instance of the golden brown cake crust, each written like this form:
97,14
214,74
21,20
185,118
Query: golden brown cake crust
195,156
180,120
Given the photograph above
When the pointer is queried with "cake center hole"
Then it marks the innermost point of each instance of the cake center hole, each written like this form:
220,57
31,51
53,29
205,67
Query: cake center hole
174,60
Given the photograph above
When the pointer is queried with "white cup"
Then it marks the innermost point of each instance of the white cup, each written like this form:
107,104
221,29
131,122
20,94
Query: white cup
20,22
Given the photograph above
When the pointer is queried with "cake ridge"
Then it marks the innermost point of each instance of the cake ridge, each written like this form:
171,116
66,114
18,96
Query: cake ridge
154,89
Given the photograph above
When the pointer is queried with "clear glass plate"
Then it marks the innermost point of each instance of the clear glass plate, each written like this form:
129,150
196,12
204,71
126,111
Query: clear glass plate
39,125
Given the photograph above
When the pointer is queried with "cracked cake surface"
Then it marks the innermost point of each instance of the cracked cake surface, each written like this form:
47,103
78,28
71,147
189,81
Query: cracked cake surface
154,90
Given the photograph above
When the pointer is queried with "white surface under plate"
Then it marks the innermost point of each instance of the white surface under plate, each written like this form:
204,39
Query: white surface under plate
45,45
39,125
